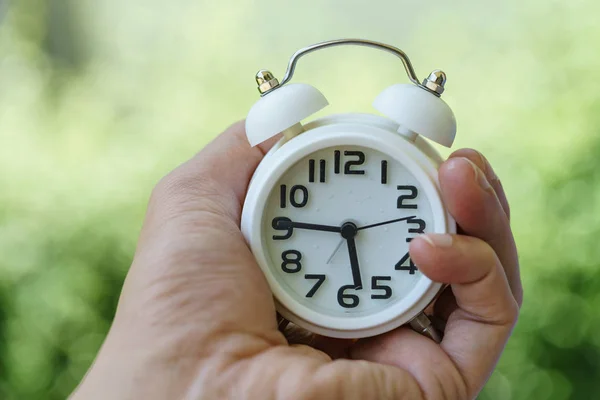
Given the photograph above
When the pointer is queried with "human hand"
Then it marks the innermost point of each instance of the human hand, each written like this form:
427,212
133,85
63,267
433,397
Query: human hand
196,318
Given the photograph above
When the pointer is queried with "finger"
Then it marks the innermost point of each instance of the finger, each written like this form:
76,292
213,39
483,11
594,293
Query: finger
473,203
352,380
478,159
475,333
220,173
301,372
418,355
478,330
446,303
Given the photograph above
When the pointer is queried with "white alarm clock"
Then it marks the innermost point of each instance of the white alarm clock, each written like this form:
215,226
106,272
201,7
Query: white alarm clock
331,209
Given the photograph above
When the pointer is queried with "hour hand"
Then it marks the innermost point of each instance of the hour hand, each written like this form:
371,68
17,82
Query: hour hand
286,223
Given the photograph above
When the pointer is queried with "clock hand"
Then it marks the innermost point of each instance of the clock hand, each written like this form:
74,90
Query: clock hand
349,230
354,264
335,251
284,224
391,221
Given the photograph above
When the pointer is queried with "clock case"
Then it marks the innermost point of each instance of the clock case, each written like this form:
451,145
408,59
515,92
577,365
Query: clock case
378,133
414,111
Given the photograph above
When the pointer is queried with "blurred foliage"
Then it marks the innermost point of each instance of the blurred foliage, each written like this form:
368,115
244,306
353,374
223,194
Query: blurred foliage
99,99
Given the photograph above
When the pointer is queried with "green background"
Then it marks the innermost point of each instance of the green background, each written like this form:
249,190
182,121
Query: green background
99,99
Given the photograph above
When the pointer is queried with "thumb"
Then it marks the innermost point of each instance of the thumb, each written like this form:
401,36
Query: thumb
192,266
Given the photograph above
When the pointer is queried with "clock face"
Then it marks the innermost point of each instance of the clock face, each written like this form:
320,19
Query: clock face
336,230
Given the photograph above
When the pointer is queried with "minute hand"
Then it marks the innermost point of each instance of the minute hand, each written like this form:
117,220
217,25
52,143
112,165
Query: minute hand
391,221
314,227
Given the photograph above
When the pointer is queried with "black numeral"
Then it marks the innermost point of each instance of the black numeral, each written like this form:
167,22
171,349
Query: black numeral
375,286
311,170
411,267
277,226
295,261
413,195
282,196
320,280
341,297
303,198
298,196
420,228
383,172
351,163
419,222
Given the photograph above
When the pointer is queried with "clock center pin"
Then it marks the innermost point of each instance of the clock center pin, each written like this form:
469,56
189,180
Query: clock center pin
349,230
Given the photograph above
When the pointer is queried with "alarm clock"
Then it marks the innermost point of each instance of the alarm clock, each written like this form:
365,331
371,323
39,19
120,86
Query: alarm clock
331,209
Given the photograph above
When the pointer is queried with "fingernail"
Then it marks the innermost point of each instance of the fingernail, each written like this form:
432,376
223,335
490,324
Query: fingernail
438,239
487,169
479,175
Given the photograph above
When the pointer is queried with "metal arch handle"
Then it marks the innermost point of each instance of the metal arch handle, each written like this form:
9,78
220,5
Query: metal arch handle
357,42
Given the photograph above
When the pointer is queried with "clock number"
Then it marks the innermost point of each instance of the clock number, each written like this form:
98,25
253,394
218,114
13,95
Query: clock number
296,200
351,163
383,172
411,267
413,195
337,160
304,197
287,260
320,280
277,226
416,221
282,196
421,227
375,286
341,296
311,170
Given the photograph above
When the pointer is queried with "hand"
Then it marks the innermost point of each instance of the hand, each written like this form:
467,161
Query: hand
196,319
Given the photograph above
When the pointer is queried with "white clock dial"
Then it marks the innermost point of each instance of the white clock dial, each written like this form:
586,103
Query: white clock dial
319,240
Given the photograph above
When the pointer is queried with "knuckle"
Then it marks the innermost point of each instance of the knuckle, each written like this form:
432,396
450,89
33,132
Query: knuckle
181,182
511,312
488,252
447,384
185,190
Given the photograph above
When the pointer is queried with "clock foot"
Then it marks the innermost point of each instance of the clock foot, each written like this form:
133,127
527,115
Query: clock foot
282,323
422,324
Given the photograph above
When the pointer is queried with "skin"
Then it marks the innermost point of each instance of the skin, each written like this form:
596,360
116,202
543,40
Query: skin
196,319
